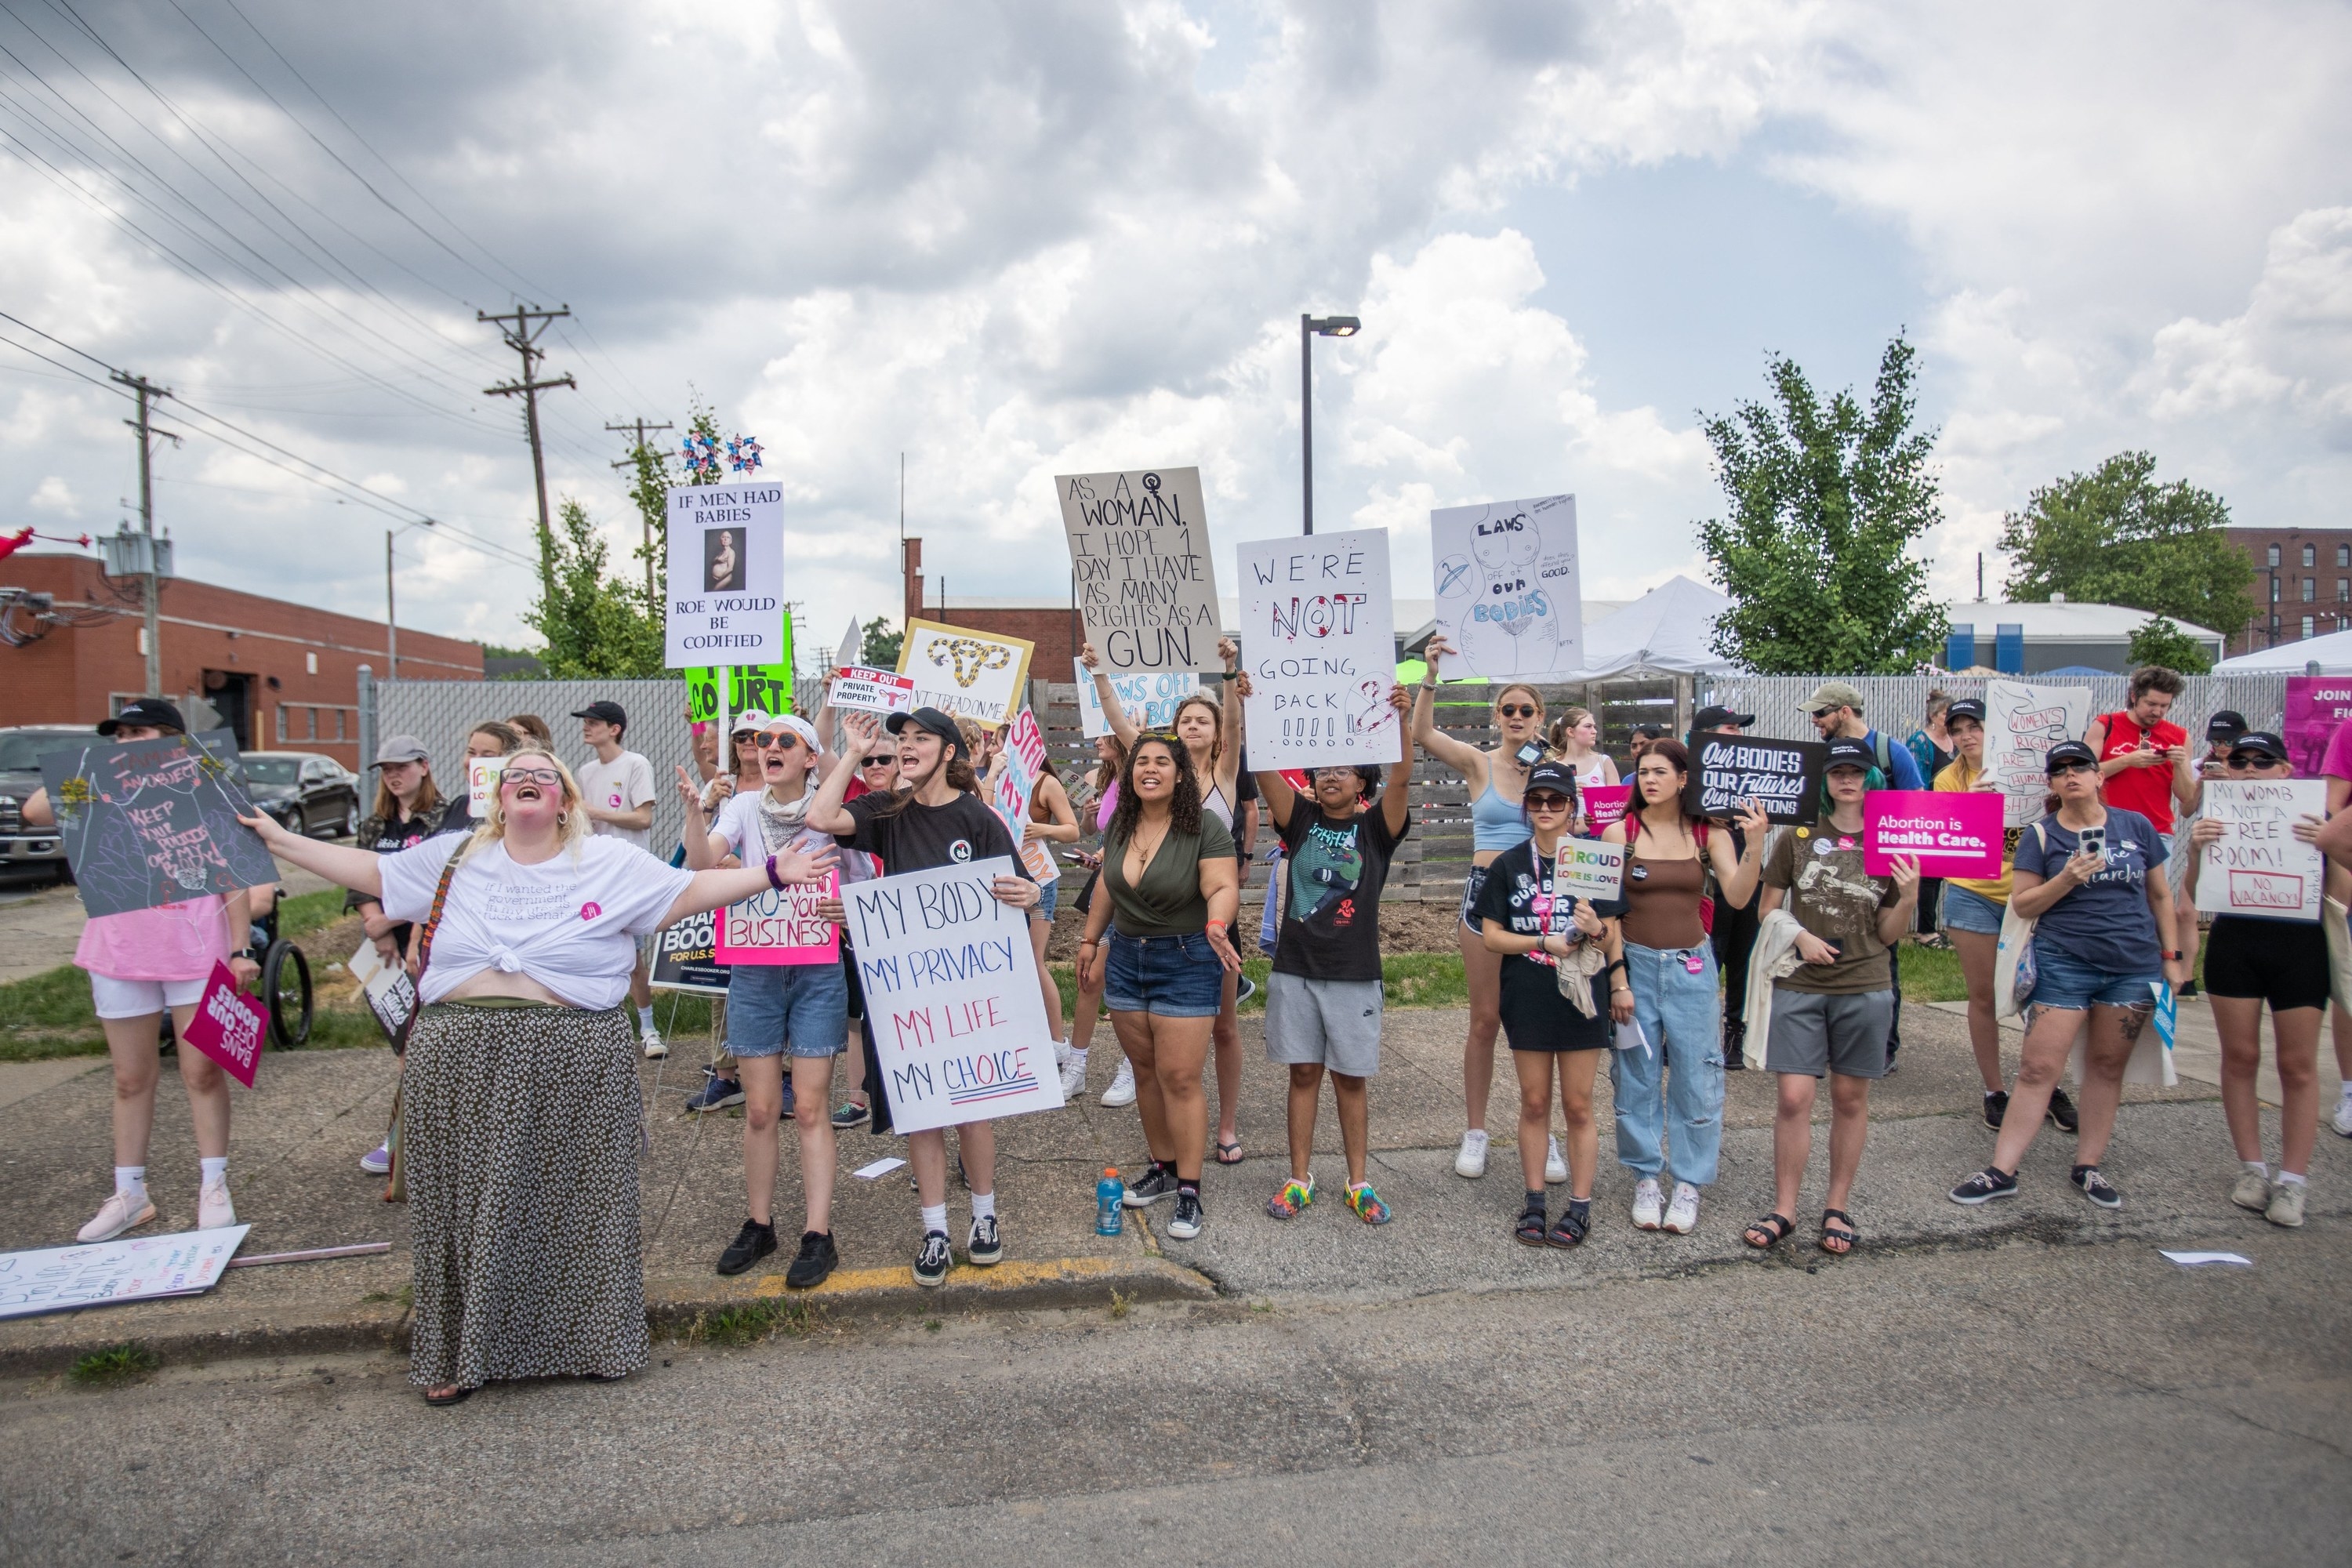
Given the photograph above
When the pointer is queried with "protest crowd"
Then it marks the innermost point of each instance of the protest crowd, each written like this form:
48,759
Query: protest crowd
1711,902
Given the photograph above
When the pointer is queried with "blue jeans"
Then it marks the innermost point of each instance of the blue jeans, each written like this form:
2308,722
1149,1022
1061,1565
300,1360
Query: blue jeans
1168,976
769,1003
1677,1012
2063,980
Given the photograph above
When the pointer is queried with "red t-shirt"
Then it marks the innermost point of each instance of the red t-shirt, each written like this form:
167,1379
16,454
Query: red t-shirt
2148,791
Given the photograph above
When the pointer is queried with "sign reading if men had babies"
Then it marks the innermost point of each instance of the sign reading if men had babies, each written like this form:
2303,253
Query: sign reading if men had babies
1782,776
726,577
1139,568
2258,866
1508,602
952,995
1318,640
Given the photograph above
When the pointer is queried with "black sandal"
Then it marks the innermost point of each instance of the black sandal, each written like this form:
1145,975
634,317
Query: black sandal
1780,1226
1530,1231
1567,1229
1845,1238
454,1396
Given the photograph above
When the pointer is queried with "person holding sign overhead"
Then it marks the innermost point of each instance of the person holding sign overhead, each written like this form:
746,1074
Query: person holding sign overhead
520,1114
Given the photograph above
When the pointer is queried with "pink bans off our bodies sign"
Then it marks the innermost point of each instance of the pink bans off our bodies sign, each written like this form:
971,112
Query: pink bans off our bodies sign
228,1026
781,927
1953,833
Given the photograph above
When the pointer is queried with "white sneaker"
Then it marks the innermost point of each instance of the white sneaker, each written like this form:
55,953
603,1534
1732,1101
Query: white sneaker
1074,1077
213,1208
2343,1118
1472,1160
1555,1168
1647,1201
1122,1087
115,1215
2252,1191
377,1162
656,1047
1682,1215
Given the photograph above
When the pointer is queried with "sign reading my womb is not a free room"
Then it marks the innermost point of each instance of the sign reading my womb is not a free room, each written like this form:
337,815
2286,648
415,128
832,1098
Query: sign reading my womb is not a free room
1952,832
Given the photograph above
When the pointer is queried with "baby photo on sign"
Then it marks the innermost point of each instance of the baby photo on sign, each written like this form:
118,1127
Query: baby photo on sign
722,561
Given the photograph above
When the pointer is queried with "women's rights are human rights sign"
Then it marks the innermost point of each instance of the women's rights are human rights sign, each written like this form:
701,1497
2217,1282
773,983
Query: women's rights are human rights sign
1951,833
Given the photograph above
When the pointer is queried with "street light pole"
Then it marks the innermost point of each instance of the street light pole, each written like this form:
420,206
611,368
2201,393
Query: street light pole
1309,329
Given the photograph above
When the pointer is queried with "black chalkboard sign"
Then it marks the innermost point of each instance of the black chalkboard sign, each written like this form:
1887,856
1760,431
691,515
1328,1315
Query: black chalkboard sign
154,822
1782,776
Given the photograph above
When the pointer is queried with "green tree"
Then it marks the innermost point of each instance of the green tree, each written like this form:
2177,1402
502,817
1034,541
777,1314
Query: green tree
594,625
1826,504
880,649
2115,536
2161,642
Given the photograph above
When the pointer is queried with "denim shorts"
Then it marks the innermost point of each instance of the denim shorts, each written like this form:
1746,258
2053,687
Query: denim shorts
1167,977
2063,980
1049,900
1964,911
769,1003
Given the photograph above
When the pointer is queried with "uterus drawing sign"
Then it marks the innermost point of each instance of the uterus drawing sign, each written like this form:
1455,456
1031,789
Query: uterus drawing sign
1509,602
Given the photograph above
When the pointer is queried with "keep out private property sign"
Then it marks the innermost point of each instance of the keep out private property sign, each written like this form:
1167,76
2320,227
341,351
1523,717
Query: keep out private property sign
1952,834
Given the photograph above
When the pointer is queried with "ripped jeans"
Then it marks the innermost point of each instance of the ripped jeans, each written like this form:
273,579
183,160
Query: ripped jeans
1679,1075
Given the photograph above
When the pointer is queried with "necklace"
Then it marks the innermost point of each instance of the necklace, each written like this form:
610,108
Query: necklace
1139,855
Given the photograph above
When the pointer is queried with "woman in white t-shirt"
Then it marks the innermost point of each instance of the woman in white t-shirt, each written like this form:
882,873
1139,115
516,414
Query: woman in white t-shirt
1576,740
520,1116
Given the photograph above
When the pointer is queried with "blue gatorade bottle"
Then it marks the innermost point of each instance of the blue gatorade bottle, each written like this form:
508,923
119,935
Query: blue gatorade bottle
1110,1206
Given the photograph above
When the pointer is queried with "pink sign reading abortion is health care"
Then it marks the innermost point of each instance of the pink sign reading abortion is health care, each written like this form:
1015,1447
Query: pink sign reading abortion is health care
228,1026
1953,833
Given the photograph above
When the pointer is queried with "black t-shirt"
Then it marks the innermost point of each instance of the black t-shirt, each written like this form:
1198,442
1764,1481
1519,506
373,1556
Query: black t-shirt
1331,919
389,836
919,837
1517,895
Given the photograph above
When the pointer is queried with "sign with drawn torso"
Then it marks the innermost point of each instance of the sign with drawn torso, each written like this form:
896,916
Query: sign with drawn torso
154,822
1147,700
1139,568
2258,867
2021,723
1509,604
964,673
951,996
1318,640
726,562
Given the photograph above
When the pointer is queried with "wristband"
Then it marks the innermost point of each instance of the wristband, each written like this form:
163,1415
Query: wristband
773,882
1217,925
1229,675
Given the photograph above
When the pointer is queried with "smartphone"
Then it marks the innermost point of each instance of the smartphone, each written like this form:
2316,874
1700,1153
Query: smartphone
1530,754
2094,842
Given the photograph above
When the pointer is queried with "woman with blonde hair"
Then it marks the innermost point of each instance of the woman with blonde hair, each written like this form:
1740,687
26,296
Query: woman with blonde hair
521,1119
1576,741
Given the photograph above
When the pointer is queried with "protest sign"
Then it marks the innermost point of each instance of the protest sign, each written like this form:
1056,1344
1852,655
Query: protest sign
2316,705
2258,867
482,784
964,673
1016,786
781,926
228,1026
154,822
389,992
866,690
766,687
1589,869
2021,723
1147,700
1320,642
1782,776
1508,602
1139,568
852,642
63,1278
1604,804
951,996
685,956
1951,833
726,577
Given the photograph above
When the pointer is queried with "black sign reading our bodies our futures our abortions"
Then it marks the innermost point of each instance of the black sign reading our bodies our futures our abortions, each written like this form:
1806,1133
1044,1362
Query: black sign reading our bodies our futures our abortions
1782,776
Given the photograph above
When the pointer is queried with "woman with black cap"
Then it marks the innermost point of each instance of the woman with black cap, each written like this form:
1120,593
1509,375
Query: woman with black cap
2089,876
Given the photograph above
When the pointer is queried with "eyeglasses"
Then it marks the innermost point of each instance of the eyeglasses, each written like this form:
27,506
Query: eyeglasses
2075,766
1347,774
1546,802
1518,709
546,778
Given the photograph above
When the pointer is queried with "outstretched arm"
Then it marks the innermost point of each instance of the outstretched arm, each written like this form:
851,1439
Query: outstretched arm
709,890
340,864
825,812
1229,722
1396,797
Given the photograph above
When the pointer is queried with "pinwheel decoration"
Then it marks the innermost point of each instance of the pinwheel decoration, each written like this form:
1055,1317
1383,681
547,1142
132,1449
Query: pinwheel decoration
701,459
743,453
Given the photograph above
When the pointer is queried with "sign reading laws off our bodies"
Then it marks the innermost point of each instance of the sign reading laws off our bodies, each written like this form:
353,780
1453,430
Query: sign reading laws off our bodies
726,576
1319,639
1139,568
952,995
1784,777
1508,601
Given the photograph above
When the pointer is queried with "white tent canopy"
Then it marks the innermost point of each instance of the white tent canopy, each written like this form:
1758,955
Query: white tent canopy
1666,631
2332,653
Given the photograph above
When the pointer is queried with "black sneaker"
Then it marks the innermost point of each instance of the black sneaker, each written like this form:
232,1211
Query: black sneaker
931,1263
751,1243
1159,1181
984,1246
1244,990
1996,1106
2095,1188
2061,1113
815,1259
1735,1043
717,1093
848,1116
1984,1186
1185,1223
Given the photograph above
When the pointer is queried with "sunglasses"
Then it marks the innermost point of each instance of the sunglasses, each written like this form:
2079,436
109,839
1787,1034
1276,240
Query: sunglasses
546,778
1546,802
2063,769
1518,711
2244,760
780,741
879,763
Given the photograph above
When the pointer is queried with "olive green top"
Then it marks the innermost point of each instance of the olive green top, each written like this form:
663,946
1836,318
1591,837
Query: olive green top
1168,902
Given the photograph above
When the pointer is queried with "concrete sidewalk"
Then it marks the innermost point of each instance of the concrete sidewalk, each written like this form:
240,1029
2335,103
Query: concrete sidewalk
300,1132
2197,1051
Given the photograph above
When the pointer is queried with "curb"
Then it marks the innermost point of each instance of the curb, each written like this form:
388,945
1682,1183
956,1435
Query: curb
385,1331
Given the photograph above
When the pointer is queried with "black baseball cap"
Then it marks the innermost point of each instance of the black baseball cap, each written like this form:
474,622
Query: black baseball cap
1965,707
2225,727
151,712
1847,753
1720,718
2260,741
932,721
2068,751
1556,777
610,713
1651,731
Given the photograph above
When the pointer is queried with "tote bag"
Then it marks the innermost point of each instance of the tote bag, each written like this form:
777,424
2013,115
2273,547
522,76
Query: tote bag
2012,961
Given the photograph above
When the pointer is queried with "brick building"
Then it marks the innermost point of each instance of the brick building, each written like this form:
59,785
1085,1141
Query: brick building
2301,587
278,674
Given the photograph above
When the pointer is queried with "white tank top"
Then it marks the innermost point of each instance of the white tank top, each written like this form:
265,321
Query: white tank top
1214,803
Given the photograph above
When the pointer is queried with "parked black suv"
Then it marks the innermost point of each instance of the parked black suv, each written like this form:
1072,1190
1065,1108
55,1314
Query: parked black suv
306,793
37,851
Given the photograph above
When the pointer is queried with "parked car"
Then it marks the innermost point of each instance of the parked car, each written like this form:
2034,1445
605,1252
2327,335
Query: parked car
306,793
34,852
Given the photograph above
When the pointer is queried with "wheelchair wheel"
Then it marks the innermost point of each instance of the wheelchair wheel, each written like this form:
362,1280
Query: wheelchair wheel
285,987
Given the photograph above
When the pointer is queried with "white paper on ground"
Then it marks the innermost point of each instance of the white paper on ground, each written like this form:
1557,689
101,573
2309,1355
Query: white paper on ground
2195,1259
879,1168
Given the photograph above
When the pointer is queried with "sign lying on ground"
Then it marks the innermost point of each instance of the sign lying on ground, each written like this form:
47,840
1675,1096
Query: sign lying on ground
1952,834
1318,640
964,673
1147,700
154,822
2021,723
726,596
1782,776
1139,568
64,1279
951,996
1509,604
2258,867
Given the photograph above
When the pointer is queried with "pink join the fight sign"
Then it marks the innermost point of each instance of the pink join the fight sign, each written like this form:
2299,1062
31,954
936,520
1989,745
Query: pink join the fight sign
228,1025
1953,833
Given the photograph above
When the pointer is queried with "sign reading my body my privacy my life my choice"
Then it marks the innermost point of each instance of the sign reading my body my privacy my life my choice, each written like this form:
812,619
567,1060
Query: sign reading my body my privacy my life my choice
1951,833
1318,640
1139,568
1782,776
726,576
951,994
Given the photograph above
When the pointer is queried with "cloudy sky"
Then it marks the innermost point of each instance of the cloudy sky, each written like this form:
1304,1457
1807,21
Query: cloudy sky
1016,239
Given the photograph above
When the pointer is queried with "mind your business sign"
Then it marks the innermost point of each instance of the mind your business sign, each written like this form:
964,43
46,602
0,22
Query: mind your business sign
726,576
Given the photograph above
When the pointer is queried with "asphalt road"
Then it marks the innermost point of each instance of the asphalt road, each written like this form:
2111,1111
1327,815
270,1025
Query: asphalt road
2019,1402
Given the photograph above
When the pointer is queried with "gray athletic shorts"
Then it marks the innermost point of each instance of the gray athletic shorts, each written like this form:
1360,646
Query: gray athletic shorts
1332,1023
1814,1034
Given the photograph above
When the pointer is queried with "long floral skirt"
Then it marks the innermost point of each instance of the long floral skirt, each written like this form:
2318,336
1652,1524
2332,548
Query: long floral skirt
520,1128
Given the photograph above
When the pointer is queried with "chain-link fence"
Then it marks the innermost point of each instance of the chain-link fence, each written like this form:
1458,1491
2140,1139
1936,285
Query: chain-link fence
1897,704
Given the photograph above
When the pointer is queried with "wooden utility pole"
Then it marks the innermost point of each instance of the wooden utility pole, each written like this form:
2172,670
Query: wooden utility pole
641,426
521,337
145,390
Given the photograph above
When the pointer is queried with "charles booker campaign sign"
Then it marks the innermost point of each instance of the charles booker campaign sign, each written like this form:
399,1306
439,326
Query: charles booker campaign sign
1953,833
951,992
